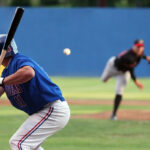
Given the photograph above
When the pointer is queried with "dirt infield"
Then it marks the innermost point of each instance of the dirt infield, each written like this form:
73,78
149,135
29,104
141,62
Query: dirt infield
109,102
143,115
122,115
4,103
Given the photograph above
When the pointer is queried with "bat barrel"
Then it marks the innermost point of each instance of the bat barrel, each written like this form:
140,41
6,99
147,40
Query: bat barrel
15,22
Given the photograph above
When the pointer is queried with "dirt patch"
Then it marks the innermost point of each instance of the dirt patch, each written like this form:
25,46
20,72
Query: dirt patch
109,102
4,103
142,115
95,102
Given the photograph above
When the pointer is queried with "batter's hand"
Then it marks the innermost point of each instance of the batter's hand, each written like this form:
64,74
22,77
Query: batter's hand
1,81
139,85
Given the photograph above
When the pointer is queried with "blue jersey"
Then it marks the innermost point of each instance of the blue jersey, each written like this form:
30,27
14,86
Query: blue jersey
34,94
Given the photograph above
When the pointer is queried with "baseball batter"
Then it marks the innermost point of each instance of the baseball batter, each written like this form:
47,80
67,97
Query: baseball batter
122,67
29,89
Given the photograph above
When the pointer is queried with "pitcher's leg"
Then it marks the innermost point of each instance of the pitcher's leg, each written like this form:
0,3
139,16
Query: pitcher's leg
122,81
109,70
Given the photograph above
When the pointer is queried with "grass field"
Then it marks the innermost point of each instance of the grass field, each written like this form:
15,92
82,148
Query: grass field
88,134
93,88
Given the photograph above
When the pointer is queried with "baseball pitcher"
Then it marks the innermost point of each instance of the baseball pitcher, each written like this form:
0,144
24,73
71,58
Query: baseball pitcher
122,67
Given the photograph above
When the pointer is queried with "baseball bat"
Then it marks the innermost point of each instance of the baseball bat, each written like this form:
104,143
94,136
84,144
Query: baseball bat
15,22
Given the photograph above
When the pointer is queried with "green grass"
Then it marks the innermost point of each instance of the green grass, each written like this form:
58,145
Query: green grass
84,134
88,134
76,109
105,135
93,88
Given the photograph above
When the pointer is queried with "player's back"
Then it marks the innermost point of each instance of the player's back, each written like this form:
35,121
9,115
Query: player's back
127,60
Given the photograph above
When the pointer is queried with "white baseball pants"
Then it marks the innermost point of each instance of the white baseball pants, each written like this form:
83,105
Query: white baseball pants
32,133
122,78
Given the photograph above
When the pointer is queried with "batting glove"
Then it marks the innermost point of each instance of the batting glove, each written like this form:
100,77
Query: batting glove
1,81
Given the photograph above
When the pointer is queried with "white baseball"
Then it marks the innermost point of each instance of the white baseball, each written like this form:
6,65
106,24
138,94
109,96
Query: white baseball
67,51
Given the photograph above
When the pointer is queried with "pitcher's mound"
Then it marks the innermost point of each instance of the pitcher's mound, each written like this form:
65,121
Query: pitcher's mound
143,115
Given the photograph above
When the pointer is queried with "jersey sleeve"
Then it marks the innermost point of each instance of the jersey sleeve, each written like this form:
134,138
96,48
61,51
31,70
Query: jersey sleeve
24,62
132,74
144,56
3,74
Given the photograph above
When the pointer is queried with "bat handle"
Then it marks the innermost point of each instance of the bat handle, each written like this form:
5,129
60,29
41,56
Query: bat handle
2,56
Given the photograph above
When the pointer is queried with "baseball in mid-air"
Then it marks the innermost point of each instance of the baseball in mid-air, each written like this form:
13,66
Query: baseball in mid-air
67,51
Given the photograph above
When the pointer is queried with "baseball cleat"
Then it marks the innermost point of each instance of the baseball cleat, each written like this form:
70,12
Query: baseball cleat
113,117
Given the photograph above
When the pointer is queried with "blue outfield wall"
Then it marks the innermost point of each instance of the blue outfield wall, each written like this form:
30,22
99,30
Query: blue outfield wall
93,35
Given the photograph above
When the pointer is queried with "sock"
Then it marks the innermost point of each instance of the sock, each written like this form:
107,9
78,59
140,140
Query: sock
117,101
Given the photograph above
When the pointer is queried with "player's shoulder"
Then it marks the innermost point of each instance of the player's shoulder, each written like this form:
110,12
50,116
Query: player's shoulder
123,53
128,52
21,57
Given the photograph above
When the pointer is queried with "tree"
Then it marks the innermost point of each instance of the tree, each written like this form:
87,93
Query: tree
20,3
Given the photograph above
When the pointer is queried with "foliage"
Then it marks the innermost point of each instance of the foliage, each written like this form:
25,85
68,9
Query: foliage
77,3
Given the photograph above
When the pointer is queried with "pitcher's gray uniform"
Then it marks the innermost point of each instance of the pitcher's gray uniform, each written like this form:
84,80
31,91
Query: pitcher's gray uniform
111,70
